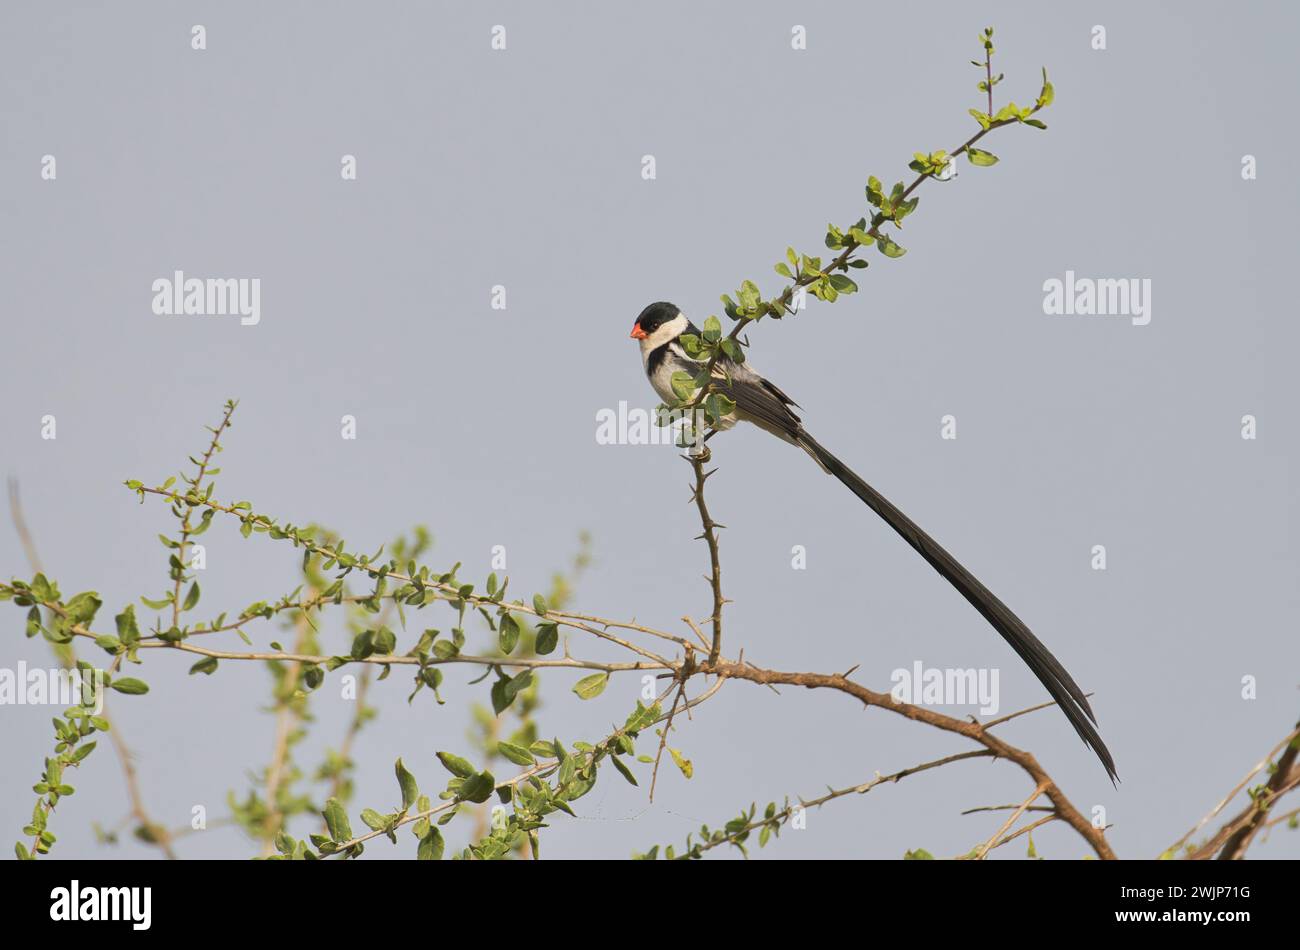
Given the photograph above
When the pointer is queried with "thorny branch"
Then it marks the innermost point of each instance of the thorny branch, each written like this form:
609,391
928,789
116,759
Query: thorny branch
709,534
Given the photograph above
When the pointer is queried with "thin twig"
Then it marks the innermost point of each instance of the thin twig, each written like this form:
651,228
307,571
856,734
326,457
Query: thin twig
1026,829
196,485
786,813
984,849
710,537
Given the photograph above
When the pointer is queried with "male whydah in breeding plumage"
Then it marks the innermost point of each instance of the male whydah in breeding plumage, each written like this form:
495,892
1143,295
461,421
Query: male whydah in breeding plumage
757,400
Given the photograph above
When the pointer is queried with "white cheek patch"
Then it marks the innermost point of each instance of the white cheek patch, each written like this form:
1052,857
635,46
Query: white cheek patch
664,333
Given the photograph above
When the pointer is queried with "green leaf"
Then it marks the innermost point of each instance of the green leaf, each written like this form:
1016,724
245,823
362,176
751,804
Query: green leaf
477,788
431,845
1008,112
860,236
980,157
692,344
889,248
363,644
191,598
589,687
42,590
623,770
506,689
683,385
539,605
455,765
336,820
130,686
642,716
712,329
82,608
875,192
207,665
548,637
410,792
516,754
205,521
1048,95
920,854
508,634
127,629
385,641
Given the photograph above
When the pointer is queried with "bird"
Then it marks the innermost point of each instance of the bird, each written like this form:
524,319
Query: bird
658,330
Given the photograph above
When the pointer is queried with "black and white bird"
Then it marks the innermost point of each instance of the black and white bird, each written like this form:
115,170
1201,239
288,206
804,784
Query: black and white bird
659,328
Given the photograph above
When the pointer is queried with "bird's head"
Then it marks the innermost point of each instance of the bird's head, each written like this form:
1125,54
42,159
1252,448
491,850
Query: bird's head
654,317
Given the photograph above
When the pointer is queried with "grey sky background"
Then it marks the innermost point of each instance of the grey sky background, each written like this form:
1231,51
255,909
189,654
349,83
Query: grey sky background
522,168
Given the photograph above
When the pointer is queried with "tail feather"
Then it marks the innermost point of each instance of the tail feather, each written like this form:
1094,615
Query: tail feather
1046,667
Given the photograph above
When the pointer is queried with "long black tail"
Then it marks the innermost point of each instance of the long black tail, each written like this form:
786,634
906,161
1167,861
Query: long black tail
1036,656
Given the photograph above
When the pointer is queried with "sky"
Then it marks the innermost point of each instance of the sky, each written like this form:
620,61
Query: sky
525,168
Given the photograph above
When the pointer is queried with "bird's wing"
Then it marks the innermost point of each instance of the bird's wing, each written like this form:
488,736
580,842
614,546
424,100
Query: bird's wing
757,400
762,402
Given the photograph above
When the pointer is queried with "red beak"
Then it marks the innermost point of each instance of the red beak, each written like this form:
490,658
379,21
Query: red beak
638,333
